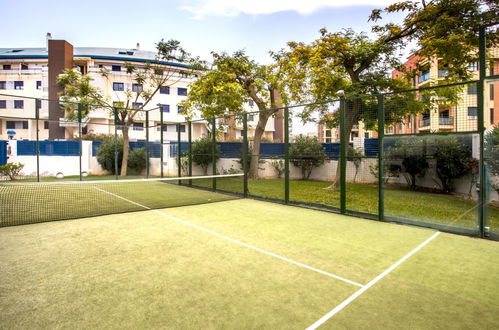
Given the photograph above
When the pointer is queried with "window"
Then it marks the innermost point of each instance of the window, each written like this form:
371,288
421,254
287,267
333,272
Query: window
251,117
118,86
492,116
10,124
138,126
472,112
491,91
24,67
137,105
251,103
182,91
137,87
18,104
46,124
3,85
328,140
182,129
180,109
38,84
3,104
472,89
164,90
473,66
165,107
328,133
101,66
18,84
7,67
116,68
366,135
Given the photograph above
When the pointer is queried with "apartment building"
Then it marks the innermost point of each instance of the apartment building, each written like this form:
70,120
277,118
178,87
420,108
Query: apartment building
27,74
460,116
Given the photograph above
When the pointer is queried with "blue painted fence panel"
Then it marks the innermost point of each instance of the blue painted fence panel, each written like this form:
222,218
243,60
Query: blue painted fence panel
48,148
3,152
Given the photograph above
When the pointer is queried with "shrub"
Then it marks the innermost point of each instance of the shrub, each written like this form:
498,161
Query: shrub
12,170
453,160
306,153
492,151
202,151
105,155
137,160
409,154
278,165
355,156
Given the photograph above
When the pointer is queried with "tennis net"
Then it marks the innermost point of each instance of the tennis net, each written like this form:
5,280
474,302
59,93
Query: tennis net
30,202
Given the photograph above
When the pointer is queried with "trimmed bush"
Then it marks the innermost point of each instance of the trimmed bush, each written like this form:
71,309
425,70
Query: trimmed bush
202,151
307,153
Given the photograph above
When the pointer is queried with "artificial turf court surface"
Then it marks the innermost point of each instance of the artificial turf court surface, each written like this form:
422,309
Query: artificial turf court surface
188,267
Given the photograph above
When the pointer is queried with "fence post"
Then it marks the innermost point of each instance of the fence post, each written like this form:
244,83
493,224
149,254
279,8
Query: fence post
161,140
116,167
179,156
343,163
482,200
38,104
245,154
381,163
213,151
286,155
79,137
147,143
189,149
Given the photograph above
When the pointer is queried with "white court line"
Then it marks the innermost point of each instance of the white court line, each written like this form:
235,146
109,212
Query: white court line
338,308
235,241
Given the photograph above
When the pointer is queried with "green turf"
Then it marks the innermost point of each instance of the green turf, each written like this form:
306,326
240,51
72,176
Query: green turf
142,270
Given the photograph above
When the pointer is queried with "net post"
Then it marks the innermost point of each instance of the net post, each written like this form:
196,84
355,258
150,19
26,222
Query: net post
245,154
213,151
179,150
482,209
38,104
189,151
147,143
286,155
381,165
343,163
79,138
161,139
116,167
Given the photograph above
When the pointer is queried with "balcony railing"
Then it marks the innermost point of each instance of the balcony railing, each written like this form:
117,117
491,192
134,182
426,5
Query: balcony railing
424,122
424,77
445,120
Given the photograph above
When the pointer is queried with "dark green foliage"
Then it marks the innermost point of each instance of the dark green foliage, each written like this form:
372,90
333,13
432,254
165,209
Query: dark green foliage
453,160
355,156
137,160
12,170
410,155
202,152
105,154
492,151
306,153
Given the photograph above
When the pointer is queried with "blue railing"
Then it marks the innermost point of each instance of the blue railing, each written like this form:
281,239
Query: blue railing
424,77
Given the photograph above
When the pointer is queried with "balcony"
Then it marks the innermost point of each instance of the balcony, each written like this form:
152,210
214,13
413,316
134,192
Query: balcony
424,77
446,120
424,122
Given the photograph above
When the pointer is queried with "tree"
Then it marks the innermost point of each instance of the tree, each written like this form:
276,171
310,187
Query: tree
355,156
234,80
202,152
453,160
492,151
147,80
410,154
307,153
357,64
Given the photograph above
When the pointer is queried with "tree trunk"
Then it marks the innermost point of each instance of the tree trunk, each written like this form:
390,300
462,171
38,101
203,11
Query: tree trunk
126,150
257,140
351,116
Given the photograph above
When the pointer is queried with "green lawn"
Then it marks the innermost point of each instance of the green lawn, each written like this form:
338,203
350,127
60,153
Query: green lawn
149,271
401,203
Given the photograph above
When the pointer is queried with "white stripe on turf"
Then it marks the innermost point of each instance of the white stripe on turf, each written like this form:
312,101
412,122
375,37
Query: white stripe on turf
235,241
338,308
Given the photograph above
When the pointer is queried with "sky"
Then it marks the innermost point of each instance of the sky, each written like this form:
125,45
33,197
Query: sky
202,26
